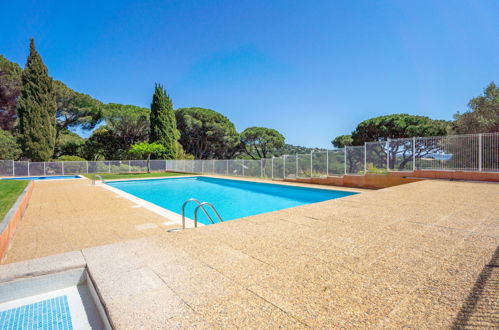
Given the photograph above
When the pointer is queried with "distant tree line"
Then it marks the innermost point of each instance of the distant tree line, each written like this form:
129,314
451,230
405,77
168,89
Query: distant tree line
482,116
38,114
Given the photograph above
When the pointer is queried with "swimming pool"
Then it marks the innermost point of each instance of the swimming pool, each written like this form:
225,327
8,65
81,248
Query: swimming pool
38,178
233,199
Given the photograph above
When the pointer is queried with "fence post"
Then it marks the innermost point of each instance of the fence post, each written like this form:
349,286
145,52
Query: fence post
45,170
13,168
261,167
480,152
413,153
272,171
284,167
109,167
365,158
345,160
227,167
327,163
242,165
87,166
28,168
311,162
387,154
62,168
130,166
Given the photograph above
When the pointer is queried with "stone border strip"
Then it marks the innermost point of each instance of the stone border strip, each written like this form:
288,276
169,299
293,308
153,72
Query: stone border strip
12,218
167,214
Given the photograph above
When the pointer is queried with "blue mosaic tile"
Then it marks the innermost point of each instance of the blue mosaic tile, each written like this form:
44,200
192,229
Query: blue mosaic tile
47,314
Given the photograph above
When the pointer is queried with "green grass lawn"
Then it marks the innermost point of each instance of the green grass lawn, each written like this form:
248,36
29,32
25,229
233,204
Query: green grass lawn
107,176
9,191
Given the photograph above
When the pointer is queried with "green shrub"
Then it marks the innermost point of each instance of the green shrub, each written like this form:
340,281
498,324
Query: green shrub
68,158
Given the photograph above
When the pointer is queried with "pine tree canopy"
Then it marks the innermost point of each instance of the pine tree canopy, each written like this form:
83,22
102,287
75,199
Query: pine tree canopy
36,109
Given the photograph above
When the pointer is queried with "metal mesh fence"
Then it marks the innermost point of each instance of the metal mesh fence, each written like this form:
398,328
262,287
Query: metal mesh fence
278,168
253,168
489,155
73,168
290,168
267,168
354,160
319,164
473,152
336,162
400,154
376,157
7,168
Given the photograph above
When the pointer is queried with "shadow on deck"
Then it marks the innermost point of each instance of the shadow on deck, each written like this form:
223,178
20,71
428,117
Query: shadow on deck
481,309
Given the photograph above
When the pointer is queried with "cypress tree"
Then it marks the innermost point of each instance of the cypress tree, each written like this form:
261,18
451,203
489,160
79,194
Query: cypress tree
36,109
163,122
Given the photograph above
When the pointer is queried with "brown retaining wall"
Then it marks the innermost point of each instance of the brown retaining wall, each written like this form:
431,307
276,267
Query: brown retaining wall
9,223
378,181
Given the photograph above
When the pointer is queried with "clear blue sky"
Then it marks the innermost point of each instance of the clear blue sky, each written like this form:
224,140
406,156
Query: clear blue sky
311,69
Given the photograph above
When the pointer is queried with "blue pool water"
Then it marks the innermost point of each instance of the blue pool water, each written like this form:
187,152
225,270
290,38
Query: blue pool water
37,178
233,199
47,314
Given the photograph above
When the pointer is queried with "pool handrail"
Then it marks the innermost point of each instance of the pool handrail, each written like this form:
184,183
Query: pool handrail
202,207
95,176
183,209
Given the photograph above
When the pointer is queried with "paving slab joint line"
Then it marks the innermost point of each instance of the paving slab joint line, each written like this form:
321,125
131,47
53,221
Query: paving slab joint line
176,294
279,308
257,259
247,289
419,286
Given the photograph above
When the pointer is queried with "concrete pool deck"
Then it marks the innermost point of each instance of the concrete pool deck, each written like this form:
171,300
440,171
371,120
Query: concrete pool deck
421,255
74,214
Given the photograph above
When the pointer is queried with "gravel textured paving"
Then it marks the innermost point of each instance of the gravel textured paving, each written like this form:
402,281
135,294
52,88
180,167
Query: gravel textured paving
421,255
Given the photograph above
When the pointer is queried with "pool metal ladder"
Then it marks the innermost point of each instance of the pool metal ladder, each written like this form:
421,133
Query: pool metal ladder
200,206
95,177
